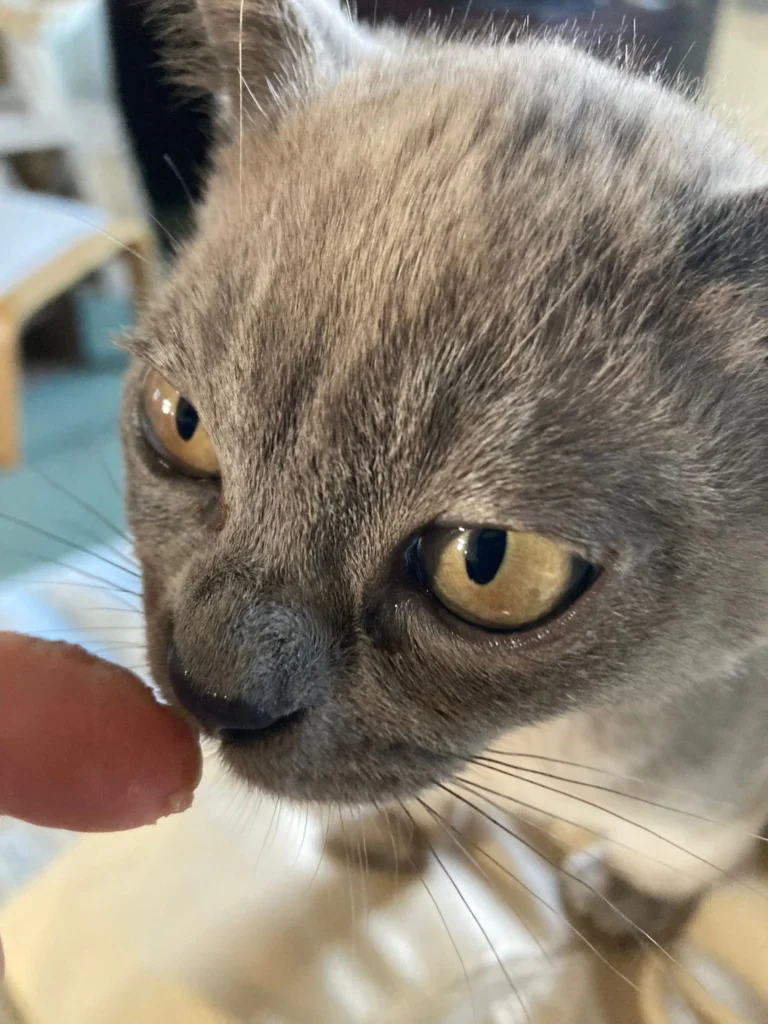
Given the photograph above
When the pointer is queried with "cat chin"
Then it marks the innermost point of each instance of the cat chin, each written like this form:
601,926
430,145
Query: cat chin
280,766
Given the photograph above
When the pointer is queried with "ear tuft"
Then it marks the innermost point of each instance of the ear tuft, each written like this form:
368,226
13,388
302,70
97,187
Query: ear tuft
228,48
258,53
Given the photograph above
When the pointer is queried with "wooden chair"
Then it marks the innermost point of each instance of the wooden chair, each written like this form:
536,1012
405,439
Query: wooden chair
43,108
48,245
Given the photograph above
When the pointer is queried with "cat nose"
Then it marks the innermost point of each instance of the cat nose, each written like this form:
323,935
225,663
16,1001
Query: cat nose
243,665
229,717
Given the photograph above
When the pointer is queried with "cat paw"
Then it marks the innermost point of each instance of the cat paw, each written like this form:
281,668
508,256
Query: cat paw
594,894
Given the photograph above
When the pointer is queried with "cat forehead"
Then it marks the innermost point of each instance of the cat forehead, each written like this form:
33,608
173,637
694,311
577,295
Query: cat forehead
394,244
431,232
393,193
461,163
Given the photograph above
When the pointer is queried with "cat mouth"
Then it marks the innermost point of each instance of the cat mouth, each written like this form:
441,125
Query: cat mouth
248,737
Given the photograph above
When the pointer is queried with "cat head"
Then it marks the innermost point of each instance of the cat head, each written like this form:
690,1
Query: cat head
452,416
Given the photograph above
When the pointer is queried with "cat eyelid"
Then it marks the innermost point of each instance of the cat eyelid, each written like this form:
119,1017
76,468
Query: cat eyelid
150,366
153,355
449,521
142,346
587,550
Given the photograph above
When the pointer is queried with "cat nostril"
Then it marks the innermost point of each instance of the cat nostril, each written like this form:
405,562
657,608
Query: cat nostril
231,718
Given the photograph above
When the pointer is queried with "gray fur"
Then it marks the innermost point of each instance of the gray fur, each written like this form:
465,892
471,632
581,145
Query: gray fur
507,284
278,659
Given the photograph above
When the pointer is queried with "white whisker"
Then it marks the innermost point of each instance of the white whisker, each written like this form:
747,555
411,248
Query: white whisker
180,179
241,81
481,927
568,874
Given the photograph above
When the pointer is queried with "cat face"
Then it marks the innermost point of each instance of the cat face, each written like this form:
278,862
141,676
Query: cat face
452,416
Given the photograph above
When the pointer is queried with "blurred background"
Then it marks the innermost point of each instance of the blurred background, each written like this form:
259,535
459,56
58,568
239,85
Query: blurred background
101,162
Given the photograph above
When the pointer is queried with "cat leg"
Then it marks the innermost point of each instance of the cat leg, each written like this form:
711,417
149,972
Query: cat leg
600,896
396,839
655,886
378,840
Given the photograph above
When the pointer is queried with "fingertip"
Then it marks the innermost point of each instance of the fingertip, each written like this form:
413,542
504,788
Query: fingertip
83,743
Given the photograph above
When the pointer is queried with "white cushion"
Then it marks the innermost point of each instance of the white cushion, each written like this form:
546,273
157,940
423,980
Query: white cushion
36,229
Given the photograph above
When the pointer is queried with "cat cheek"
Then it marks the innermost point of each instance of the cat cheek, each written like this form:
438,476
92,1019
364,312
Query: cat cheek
215,514
152,588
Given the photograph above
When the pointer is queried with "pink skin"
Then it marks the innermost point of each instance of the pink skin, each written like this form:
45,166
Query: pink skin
83,744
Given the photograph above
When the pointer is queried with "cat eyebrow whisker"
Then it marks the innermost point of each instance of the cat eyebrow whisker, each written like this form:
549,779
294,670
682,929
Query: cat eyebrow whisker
102,231
180,178
158,223
254,100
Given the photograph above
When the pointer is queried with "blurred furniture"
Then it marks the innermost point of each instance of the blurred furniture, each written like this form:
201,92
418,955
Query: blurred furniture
738,78
48,246
25,125
58,96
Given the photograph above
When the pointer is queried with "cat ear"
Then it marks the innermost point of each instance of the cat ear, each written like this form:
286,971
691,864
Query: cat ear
260,55
729,238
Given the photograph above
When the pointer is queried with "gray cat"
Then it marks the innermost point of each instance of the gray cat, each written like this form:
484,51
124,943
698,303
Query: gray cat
447,443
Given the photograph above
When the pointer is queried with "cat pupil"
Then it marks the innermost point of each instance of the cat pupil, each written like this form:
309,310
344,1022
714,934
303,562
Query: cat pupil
186,419
484,555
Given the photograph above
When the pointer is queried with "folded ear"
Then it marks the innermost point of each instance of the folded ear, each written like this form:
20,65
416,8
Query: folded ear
728,239
259,55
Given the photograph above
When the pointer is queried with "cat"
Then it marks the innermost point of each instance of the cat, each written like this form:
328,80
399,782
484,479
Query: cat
446,444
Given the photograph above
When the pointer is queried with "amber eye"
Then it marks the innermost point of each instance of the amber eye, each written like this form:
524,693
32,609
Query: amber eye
174,430
501,579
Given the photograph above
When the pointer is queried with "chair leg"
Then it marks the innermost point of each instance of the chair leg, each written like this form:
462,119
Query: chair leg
10,387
